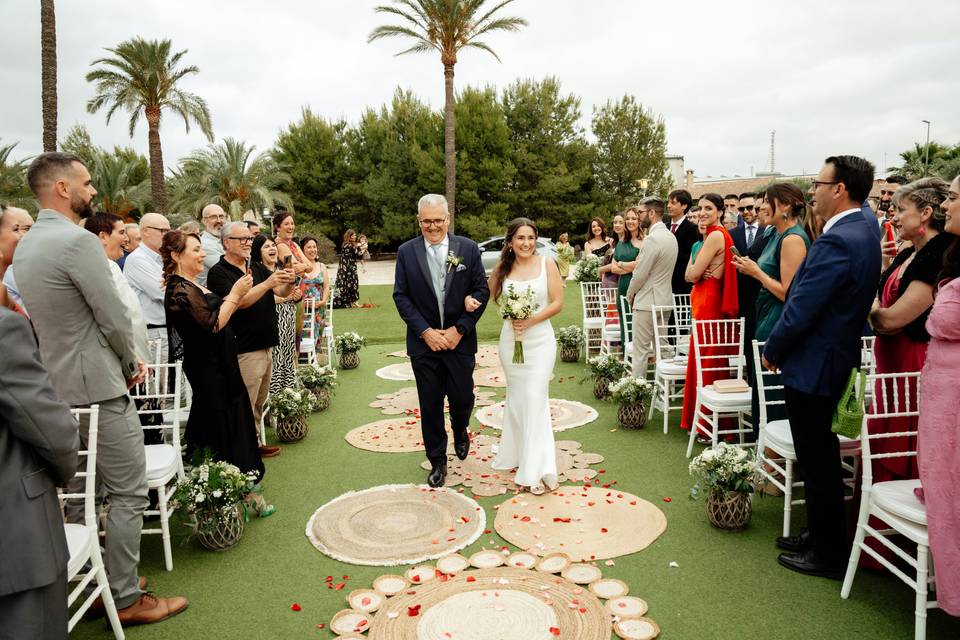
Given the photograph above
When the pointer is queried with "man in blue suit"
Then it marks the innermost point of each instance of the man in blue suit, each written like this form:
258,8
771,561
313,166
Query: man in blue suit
435,273
815,344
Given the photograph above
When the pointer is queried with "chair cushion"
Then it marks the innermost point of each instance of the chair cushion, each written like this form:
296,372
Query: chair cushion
671,369
898,497
593,322
161,462
79,540
777,436
740,400
307,345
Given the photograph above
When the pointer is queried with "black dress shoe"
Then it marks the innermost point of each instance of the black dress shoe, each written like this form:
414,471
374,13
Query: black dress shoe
795,543
462,446
437,475
809,564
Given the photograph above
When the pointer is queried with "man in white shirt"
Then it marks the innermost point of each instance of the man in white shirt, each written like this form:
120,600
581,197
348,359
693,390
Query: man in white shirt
144,271
213,217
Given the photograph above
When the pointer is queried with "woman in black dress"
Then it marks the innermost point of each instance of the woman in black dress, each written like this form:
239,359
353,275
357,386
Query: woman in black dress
221,419
348,285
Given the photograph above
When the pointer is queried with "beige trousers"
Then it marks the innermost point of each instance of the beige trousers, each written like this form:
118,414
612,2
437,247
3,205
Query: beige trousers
256,368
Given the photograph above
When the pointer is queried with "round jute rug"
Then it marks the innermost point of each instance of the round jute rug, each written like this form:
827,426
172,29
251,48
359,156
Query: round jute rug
477,472
406,401
489,597
397,371
395,524
394,435
487,355
564,414
482,377
585,523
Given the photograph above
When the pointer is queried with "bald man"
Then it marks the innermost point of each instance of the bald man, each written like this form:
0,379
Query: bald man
144,271
213,217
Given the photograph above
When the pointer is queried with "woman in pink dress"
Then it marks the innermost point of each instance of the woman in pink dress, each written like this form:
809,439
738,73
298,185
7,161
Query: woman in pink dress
939,427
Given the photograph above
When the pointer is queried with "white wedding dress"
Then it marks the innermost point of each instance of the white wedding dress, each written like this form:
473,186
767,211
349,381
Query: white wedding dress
526,442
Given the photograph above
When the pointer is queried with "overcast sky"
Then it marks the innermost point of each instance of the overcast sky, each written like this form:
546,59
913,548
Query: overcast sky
831,76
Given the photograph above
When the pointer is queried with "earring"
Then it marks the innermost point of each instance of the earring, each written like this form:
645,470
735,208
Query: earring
922,231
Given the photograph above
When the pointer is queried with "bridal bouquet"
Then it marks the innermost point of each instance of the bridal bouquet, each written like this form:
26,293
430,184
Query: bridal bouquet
516,305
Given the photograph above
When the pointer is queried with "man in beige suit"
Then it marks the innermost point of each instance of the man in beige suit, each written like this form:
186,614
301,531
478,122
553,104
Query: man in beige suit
87,345
651,283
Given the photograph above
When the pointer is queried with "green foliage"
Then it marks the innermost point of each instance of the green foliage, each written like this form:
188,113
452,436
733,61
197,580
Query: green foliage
723,468
571,336
290,402
349,342
313,377
121,177
211,490
944,161
13,180
631,147
630,390
606,367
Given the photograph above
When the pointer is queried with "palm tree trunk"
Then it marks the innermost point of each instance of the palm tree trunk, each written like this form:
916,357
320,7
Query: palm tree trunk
48,73
157,189
449,142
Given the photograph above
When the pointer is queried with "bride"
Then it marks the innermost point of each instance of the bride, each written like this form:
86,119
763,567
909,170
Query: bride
527,440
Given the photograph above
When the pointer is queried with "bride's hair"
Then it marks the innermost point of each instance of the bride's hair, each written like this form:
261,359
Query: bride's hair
507,256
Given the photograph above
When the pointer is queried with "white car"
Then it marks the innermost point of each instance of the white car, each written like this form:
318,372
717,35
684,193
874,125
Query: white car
491,248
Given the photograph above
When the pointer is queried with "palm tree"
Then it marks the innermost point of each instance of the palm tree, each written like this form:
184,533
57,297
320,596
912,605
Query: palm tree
446,26
48,73
120,182
13,180
142,78
230,175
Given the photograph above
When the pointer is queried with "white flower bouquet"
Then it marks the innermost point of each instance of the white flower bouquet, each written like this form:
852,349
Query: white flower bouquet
722,469
518,305
292,402
606,367
585,270
571,336
630,390
349,342
314,378
212,490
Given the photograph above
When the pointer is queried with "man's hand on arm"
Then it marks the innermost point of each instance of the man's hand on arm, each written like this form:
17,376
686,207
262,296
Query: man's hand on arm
452,337
435,339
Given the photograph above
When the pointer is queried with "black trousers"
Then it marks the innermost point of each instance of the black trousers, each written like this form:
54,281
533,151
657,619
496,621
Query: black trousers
440,375
37,614
818,454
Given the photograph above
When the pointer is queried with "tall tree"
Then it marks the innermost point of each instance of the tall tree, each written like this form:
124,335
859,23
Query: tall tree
631,148
142,78
228,174
13,180
122,176
48,73
446,26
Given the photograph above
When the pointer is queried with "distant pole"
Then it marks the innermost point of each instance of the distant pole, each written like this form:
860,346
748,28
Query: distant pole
926,159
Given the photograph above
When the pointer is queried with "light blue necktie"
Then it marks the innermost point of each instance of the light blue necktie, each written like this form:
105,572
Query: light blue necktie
436,260
750,233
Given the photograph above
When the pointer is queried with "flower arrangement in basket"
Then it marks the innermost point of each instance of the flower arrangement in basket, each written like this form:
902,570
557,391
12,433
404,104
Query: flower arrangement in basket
518,305
570,340
585,270
320,382
289,408
213,492
726,473
632,394
604,369
347,345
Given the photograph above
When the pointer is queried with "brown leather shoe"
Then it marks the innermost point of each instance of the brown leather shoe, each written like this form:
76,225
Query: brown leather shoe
267,451
149,609
97,610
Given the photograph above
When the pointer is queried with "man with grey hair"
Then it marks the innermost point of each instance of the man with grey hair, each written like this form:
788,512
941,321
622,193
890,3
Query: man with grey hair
255,322
144,271
213,218
131,241
435,274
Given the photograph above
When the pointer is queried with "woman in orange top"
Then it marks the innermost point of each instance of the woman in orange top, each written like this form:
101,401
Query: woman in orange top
714,294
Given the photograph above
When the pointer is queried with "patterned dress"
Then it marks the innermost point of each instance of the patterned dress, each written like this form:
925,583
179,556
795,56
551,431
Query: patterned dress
285,353
313,288
348,284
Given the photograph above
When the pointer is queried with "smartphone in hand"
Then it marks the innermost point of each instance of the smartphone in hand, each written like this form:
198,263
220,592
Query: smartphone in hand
246,265
288,262
735,251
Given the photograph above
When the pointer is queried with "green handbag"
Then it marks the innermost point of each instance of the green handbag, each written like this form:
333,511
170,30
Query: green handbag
848,416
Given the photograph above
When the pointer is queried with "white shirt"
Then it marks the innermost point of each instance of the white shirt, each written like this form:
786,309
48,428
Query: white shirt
835,219
747,232
144,271
129,299
10,284
444,244
213,248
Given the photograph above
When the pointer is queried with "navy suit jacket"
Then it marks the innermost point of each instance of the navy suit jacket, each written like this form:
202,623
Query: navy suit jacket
816,342
416,300
869,214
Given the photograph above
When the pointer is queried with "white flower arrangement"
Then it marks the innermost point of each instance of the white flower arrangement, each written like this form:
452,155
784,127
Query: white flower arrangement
607,367
517,305
585,270
313,377
453,261
349,342
213,489
723,468
292,402
630,390
571,336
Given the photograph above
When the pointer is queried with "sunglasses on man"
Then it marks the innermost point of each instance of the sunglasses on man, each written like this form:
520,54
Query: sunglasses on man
749,207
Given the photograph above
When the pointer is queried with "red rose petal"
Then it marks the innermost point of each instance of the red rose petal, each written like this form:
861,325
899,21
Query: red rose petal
667,499
471,579
295,607
603,530
554,631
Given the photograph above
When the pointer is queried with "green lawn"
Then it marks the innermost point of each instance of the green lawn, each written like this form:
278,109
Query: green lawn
727,585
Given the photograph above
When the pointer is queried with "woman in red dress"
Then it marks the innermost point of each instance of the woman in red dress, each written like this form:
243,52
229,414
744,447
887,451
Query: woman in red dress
714,294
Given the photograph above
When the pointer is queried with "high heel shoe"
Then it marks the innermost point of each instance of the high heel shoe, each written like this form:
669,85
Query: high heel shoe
258,504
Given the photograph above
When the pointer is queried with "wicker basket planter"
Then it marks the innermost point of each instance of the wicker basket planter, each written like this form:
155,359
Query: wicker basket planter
321,398
569,353
632,416
601,388
223,534
349,360
730,510
291,429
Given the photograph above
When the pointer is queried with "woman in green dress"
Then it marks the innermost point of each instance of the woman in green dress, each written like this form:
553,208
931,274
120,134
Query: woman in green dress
625,259
784,208
564,257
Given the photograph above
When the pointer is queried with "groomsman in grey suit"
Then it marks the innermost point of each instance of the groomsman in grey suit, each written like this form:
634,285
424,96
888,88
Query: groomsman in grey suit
38,450
87,345
651,282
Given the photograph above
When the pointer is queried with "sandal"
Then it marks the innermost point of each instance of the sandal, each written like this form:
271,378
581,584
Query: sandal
258,504
537,490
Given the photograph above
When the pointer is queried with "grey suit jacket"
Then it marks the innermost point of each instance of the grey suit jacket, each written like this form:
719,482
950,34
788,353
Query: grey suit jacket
86,338
38,449
653,274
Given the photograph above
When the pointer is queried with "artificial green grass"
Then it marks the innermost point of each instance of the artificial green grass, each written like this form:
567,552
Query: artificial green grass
727,585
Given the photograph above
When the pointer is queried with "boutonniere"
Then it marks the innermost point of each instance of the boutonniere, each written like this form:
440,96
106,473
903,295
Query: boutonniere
454,260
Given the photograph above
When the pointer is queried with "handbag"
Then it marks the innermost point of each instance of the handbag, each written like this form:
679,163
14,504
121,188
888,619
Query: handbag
848,416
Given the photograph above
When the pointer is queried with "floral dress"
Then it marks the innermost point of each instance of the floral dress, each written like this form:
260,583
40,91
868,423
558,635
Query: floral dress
313,288
348,285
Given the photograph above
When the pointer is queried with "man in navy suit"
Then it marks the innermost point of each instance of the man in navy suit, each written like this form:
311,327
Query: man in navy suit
435,273
815,344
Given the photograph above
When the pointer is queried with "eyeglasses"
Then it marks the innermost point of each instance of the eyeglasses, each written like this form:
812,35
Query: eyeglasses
749,207
215,216
241,240
819,183
432,223
160,229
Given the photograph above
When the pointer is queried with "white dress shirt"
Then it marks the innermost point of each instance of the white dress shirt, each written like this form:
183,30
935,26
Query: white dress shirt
750,232
835,219
132,304
144,271
10,284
